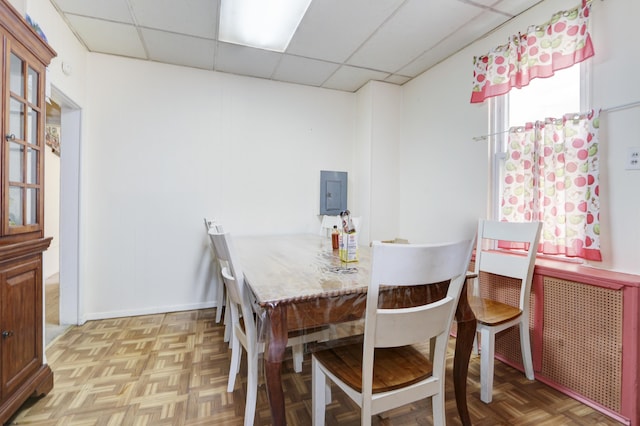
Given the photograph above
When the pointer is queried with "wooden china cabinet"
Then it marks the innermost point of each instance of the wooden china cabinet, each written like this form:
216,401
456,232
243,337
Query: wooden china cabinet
25,56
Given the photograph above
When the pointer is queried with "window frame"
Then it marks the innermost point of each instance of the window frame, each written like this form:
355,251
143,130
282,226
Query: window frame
498,123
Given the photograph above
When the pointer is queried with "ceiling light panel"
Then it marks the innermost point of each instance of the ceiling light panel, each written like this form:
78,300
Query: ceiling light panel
264,24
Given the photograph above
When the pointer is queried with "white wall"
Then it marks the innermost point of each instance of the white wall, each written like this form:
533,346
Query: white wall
382,103
51,258
360,202
19,5
615,82
169,145
444,172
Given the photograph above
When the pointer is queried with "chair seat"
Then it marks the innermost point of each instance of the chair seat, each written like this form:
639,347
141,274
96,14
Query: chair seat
345,362
491,312
505,272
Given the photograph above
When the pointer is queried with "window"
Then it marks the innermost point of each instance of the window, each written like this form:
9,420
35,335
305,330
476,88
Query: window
546,167
529,104
546,162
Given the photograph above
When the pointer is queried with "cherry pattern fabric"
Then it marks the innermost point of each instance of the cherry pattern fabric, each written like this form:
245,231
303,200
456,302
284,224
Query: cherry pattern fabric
555,45
552,175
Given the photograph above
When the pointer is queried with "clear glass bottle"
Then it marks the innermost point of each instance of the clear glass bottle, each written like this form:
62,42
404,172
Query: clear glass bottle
335,236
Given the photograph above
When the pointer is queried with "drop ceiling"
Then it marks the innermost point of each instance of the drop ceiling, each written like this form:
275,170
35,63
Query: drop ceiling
339,44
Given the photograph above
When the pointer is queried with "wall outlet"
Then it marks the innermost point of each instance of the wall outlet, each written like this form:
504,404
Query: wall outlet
633,158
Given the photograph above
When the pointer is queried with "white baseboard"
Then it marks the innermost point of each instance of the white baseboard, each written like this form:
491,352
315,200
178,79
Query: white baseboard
147,311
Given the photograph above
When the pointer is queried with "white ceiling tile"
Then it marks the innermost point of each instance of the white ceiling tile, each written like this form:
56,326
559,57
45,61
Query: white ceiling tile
417,27
333,29
243,60
472,30
123,39
179,49
478,27
351,79
192,17
421,63
486,3
508,8
515,7
397,79
428,59
112,10
296,69
388,40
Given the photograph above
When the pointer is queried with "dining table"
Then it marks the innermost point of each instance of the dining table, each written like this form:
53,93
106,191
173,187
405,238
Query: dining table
300,283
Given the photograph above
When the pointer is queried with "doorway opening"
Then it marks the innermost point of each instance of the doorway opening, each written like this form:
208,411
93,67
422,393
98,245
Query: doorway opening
62,215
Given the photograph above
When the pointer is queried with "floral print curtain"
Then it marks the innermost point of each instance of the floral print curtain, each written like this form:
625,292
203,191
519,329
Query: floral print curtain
557,44
551,175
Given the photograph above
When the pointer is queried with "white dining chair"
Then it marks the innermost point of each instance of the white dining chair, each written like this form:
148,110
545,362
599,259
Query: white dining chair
494,316
385,370
327,224
220,290
244,310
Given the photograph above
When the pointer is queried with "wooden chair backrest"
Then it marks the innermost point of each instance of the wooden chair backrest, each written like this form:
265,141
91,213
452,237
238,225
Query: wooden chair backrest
515,263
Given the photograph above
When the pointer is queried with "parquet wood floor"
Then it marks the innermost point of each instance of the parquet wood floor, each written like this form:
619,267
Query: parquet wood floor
171,369
52,328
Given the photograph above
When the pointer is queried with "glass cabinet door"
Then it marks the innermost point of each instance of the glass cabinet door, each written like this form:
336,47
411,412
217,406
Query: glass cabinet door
23,162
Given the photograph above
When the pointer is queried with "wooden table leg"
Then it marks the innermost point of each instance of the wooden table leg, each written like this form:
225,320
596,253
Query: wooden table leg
466,329
273,356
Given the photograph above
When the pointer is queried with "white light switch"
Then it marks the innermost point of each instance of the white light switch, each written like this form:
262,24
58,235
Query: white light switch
633,158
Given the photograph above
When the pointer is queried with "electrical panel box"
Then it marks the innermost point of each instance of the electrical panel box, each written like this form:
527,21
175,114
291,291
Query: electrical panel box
333,192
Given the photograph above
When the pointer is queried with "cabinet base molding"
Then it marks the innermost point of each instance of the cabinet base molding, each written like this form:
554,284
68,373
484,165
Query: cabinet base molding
39,384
